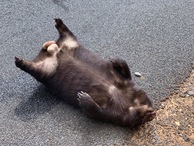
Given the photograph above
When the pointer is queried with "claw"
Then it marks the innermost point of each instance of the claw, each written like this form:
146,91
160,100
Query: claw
57,21
20,63
17,59
81,94
78,94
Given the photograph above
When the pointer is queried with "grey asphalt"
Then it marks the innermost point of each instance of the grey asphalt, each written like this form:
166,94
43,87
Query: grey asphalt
156,37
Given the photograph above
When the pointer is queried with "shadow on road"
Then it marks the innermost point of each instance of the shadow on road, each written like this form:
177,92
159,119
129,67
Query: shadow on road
38,103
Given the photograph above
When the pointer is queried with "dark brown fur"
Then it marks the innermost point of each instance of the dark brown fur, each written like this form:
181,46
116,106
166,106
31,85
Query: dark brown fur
102,89
114,68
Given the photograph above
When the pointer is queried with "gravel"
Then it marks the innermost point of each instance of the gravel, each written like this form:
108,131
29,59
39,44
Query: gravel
191,93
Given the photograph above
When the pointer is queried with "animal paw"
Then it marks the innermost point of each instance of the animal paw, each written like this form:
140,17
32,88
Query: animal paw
53,49
18,62
58,22
84,97
50,47
47,44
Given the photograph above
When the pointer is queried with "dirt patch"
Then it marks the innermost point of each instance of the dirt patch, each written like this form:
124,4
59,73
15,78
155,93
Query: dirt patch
174,124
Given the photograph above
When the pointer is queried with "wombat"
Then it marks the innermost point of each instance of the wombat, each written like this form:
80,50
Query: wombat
102,89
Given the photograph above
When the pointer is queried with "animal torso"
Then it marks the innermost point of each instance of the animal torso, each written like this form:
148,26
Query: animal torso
73,75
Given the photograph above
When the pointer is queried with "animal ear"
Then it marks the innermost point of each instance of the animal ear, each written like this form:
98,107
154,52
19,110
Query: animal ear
120,66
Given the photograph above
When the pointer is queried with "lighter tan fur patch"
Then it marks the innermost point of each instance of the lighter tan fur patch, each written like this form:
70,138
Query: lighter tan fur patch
69,43
143,108
48,65
47,44
136,101
112,88
53,49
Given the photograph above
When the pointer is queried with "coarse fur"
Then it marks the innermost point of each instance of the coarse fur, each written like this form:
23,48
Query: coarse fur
101,88
113,68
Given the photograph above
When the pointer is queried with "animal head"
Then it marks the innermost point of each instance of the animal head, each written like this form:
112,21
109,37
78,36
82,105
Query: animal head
141,109
130,105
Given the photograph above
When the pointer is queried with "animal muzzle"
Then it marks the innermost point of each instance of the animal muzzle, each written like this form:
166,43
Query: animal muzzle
151,114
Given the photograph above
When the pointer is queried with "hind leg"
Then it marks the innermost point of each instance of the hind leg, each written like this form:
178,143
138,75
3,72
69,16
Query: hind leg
47,44
63,29
121,68
29,67
66,40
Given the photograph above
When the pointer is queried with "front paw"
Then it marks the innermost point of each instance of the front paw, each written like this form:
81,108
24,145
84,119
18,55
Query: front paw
47,44
18,62
84,98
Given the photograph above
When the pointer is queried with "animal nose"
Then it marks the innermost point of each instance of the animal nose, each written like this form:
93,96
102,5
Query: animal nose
151,114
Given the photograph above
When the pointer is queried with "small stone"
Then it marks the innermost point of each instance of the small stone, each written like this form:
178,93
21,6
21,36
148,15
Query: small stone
162,105
181,127
191,93
193,64
189,85
137,74
155,139
177,123
186,139
182,95
184,90
176,91
174,110
192,140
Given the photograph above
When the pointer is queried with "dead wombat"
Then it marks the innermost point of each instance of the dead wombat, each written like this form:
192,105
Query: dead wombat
101,88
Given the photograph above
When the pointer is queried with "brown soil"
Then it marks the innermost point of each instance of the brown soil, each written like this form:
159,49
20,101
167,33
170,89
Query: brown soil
174,124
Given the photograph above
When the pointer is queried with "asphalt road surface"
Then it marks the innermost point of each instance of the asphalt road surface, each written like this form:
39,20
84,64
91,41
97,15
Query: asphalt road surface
156,37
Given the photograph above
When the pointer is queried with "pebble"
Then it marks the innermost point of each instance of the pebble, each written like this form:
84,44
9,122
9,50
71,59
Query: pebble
137,74
181,127
182,95
191,93
193,64
192,141
163,105
176,91
155,139
177,123
186,139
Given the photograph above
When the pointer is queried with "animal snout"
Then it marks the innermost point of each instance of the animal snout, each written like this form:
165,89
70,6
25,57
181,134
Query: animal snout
151,114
